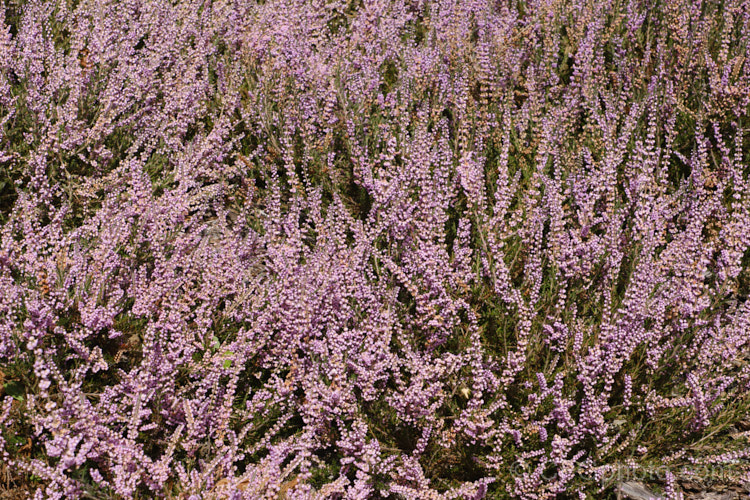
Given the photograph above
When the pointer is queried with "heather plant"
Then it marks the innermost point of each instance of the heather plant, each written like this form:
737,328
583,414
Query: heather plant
403,249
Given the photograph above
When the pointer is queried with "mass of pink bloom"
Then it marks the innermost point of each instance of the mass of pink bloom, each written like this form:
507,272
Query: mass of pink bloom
372,249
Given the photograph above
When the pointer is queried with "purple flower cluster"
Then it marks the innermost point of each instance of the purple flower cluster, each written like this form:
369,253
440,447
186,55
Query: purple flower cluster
342,249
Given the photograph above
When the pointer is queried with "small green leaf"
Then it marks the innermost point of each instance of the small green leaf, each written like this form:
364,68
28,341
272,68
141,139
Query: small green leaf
227,363
14,389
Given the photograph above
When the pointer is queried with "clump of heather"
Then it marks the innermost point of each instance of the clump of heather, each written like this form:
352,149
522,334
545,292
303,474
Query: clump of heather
342,249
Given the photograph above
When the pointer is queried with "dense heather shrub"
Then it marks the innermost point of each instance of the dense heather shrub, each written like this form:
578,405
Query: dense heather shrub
344,249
